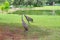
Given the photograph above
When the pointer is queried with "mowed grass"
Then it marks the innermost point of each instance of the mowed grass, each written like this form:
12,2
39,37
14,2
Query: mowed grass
46,27
43,8
39,20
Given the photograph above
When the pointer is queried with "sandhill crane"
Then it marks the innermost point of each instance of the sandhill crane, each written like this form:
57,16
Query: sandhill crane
28,18
24,24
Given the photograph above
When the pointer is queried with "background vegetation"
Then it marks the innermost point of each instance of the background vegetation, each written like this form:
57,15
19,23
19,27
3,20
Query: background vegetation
34,3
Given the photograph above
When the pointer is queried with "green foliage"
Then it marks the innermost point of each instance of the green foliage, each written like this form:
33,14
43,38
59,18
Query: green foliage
10,1
36,3
27,2
2,7
7,5
18,2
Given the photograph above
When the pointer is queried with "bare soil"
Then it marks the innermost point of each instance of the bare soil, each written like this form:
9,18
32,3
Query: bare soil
6,33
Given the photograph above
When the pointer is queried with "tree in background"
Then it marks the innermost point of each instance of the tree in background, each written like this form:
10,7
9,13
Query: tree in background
5,6
10,1
50,2
2,8
28,2
35,3
18,2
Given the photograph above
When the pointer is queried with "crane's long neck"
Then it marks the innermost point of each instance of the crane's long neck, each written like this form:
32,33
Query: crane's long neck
25,16
23,20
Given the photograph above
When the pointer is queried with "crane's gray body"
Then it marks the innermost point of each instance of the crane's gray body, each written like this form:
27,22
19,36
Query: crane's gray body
28,18
24,24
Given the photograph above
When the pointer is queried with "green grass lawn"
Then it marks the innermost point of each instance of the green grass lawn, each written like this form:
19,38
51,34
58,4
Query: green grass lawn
39,20
49,8
43,8
47,27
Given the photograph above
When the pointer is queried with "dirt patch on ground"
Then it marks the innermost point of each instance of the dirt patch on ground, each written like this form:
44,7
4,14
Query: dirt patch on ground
7,33
15,33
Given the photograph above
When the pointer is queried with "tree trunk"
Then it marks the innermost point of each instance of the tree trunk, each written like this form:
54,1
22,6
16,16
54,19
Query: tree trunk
53,11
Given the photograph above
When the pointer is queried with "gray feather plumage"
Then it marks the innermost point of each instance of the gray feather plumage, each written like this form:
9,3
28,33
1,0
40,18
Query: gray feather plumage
24,24
28,18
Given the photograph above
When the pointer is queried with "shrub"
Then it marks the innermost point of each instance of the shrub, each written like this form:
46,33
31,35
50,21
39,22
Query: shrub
7,5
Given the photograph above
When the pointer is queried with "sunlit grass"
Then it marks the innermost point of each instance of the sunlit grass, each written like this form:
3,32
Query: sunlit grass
47,8
39,20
